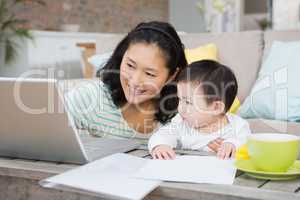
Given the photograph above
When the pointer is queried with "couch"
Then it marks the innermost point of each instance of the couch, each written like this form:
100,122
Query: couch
244,52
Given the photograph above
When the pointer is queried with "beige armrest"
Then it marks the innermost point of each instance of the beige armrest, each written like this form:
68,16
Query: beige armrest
89,50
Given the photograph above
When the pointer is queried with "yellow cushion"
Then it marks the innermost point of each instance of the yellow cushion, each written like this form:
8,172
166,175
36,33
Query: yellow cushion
235,105
208,52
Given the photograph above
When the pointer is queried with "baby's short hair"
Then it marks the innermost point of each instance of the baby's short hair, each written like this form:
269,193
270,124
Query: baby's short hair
217,81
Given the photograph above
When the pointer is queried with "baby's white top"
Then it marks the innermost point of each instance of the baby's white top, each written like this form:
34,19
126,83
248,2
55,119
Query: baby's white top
178,134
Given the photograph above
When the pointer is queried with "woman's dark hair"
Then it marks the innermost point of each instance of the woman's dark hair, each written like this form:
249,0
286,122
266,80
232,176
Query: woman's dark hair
164,36
217,81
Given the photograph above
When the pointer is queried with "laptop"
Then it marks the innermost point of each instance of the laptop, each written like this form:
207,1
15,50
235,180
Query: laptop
35,124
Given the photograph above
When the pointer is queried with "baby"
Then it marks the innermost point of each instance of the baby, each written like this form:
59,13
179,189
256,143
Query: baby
206,91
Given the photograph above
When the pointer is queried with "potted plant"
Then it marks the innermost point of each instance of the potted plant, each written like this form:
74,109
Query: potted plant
11,28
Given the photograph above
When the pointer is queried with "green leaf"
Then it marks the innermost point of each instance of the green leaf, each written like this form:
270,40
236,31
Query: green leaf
201,7
219,6
23,33
10,26
10,49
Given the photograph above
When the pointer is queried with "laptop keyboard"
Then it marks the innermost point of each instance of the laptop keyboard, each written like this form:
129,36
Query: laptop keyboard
100,147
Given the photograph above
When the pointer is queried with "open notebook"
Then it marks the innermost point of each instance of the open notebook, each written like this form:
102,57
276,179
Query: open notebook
109,177
192,169
122,176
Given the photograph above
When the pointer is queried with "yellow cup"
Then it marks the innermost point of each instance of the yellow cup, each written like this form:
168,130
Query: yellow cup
270,152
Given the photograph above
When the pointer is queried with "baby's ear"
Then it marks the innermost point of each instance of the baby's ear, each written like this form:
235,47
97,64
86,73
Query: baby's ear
219,107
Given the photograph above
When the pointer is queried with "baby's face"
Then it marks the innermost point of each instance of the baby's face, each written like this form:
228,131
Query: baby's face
193,108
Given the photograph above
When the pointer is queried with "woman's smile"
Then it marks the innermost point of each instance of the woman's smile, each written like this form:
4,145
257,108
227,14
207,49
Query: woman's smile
134,91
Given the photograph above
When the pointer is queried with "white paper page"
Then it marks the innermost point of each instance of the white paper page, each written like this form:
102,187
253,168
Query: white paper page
111,176
194,169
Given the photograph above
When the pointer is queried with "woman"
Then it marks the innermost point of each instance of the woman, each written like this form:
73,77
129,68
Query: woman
135,93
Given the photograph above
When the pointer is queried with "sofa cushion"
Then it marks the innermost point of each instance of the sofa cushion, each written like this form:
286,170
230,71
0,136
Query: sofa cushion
241,51
270,36
203,52
275,94
107,42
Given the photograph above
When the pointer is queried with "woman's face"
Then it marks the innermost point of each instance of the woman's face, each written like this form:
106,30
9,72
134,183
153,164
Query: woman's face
143,72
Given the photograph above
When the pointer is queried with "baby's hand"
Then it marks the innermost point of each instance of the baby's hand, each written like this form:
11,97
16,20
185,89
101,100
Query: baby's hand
163,152
215,144
226,151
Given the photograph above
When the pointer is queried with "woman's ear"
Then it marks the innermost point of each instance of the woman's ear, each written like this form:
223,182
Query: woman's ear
172,78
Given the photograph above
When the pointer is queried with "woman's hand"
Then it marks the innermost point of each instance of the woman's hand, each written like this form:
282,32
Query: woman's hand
163,152
226,151
215,144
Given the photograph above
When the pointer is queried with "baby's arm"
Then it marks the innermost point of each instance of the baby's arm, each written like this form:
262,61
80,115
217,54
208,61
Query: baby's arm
214,145
162,142
226,151
239,135
237,138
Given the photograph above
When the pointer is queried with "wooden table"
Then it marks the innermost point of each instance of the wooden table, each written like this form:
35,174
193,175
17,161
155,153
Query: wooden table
19,181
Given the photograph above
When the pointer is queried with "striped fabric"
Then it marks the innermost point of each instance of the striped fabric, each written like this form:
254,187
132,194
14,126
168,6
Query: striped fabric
92,108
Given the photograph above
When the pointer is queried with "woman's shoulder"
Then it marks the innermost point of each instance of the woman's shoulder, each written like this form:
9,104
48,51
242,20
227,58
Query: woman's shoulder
91,93
176,119
91,85
88,88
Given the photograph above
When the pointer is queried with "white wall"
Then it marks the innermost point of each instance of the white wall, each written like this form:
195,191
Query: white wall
286,14
184,16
